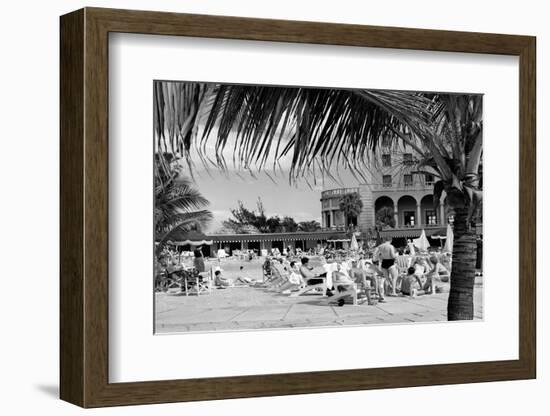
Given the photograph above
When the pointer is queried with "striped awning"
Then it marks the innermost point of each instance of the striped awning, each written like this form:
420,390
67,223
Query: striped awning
412,232
194,243
296,236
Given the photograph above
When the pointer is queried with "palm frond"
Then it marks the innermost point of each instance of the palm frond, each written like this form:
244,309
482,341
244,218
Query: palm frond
183,222
318,129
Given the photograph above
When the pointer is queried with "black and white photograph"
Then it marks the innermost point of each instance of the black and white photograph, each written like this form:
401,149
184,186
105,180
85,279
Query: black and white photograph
294,207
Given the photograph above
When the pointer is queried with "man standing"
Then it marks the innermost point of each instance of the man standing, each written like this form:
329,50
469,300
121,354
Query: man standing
387,254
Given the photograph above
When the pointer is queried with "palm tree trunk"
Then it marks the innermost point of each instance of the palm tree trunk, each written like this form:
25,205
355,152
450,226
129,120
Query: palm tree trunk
461,297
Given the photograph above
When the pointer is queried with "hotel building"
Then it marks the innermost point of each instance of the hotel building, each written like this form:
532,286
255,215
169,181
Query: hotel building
392,184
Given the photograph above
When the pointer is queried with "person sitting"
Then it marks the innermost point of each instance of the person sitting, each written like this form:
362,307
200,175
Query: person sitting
340,279
221,281
294,280
411,283
438,271
423,272
421,266
344,285
359,276
446,261
309,277
311,280
375,275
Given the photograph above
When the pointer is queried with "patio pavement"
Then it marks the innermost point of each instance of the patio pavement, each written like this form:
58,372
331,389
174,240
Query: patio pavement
246,308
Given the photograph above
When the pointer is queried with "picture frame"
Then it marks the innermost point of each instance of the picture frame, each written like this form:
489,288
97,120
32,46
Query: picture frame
84,170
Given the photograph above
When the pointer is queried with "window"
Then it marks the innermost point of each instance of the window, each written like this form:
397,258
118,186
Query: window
408,179
386,160
429,179
386,181
431,217
408,159
408,219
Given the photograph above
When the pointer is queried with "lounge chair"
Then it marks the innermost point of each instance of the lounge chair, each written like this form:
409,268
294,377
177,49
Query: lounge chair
320,287
343,292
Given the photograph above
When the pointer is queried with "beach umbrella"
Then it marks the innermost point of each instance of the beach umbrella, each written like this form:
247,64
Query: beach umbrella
354,246
450,237
422,242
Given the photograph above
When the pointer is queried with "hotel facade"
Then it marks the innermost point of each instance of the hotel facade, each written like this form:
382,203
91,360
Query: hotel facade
394,185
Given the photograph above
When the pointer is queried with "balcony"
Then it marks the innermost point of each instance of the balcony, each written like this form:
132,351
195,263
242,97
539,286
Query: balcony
402,187
338,192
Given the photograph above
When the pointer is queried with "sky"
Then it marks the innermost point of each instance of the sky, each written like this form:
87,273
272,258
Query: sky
225,188
299,201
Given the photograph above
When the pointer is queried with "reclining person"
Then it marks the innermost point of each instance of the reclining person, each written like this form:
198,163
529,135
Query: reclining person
309,278
223,282
294,281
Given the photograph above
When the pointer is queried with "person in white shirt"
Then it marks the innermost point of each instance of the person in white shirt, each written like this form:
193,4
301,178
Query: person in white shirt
294,281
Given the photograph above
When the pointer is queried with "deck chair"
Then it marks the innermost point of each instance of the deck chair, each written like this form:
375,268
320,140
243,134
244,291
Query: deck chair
350,292
402,264
174,282
196,283
278,276
321,287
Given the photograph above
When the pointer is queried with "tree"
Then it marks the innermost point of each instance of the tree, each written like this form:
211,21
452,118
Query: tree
246,221
288,225
323,128
178,206
385,218
273,224
351,205
309,226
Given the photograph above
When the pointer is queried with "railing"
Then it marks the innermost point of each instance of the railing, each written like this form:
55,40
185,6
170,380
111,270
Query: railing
337,228
403,226
338,191
350,228
402,187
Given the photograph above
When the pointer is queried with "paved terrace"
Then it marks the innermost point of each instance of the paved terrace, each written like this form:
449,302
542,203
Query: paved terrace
244,308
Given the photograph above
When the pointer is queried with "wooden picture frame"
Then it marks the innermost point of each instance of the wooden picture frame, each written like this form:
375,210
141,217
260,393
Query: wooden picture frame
84,207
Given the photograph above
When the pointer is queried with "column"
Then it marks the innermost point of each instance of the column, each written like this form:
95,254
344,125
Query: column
395,215
323,219
366,218
418,220
442,217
